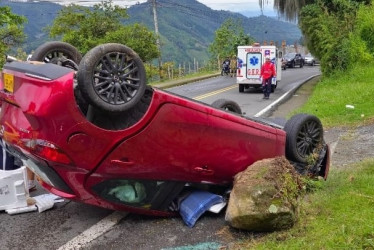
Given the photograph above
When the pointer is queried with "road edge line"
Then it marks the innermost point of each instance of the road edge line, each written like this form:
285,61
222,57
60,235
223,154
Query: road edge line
284,96
95,231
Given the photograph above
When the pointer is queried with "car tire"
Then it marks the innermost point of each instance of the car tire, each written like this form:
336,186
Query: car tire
227,105
241,88
112,77
293,64
59,53
304,133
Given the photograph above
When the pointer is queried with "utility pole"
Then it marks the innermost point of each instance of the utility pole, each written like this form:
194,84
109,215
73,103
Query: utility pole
157,36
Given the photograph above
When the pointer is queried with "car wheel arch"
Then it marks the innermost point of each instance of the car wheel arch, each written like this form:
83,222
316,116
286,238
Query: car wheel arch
227,105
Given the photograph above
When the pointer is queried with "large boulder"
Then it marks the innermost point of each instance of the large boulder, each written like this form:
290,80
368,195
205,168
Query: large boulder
265,196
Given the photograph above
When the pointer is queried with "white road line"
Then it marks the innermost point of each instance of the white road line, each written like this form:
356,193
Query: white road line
266,109
94,232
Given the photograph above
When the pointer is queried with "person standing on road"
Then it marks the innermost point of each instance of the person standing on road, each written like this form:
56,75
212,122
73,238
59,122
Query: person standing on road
233,66
267,73
226,66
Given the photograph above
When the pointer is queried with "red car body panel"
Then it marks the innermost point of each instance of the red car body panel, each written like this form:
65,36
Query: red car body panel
177,139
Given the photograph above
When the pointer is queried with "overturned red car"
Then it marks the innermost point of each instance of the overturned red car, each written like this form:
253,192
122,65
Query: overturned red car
94,132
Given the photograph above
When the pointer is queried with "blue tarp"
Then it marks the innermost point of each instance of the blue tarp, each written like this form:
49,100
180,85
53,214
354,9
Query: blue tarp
196,204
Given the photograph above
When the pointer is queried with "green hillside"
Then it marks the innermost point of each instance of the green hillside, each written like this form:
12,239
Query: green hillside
38,15
186,26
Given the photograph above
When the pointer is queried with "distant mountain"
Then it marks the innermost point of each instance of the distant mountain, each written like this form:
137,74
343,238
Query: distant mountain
38,15
186,27
249,13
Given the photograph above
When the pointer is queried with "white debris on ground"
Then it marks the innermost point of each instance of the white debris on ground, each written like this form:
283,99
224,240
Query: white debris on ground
15,197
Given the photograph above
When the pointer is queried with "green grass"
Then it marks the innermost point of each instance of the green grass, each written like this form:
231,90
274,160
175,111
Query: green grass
185,77
331,95
337,216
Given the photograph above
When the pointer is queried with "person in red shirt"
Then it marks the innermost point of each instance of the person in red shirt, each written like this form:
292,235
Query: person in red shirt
267,73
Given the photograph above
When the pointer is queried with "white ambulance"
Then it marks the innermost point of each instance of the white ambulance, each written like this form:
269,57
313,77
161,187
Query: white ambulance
250,60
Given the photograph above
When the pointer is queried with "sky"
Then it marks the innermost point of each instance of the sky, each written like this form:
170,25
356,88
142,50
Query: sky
247,7
237,5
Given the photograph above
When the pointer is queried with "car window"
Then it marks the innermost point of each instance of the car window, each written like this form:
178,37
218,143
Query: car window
148,194
290,55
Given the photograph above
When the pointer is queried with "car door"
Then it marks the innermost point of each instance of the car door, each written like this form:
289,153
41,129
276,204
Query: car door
297,59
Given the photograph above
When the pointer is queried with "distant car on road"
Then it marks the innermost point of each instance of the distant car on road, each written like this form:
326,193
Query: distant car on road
293,59
310,60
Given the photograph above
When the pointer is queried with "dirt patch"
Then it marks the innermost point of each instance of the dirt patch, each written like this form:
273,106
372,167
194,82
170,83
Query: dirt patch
353,145
347,145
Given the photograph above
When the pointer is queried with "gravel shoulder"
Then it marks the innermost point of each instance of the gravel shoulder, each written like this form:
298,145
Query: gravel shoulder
348,145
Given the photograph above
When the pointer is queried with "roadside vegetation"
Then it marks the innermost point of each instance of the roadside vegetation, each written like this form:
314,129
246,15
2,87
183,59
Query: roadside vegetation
227,38
337,216
338,213
11,31
344,99
340,33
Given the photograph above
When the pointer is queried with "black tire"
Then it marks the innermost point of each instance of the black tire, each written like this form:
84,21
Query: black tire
241,88
304,135
112,77
227,105
59,53
293,64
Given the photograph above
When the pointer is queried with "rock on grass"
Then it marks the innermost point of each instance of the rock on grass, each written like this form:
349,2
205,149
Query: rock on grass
265,196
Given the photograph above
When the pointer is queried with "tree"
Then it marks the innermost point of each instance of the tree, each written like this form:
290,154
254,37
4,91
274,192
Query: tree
136,36
11,31
328,27
227,38
290,9
86,28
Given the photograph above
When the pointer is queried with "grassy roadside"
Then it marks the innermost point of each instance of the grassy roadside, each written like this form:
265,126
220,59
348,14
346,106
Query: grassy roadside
331,95
185,78
338,215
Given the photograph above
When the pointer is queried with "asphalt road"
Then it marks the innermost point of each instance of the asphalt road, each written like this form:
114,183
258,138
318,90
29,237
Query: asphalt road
250,101
71,225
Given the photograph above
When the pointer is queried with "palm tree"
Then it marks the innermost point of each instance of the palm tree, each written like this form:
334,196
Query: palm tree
289,9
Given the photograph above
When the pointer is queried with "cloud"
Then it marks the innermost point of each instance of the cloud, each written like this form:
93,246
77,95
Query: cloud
231,5
236,5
